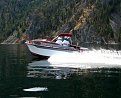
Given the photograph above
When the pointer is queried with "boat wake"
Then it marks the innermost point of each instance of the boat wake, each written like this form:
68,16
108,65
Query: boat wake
88,59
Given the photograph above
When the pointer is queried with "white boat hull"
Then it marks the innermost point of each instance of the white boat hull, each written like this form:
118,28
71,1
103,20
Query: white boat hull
46,51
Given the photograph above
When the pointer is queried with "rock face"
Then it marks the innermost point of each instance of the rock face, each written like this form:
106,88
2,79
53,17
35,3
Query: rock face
10,40
99,22
115,22
90,21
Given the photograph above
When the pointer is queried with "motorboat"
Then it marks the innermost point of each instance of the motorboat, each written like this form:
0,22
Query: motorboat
46,48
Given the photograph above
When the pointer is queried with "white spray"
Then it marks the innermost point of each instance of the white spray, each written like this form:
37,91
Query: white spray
88,59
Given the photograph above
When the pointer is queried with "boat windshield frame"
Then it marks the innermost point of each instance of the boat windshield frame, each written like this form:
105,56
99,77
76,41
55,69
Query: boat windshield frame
65,34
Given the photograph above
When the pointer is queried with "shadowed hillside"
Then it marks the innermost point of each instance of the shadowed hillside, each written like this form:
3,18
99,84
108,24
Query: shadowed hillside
90,21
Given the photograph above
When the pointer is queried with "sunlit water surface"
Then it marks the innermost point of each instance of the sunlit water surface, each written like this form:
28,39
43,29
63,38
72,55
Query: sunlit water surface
95,73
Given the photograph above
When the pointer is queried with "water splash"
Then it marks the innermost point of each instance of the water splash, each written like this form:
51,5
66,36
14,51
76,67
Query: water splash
88,59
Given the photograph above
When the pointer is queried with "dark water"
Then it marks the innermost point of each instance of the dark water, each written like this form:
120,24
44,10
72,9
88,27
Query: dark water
18,71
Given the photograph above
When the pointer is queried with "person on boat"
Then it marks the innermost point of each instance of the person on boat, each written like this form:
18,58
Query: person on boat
66,41
59,41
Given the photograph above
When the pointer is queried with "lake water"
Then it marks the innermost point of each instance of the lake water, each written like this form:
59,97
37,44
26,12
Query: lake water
24,76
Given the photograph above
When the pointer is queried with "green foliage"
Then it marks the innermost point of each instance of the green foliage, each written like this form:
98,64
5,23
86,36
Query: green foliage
101,18
17,13
41,18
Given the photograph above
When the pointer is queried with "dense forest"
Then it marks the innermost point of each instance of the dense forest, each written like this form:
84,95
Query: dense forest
89,20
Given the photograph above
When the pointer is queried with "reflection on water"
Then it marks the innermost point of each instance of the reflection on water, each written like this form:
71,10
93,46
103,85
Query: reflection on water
13,59
43,69
36,89
20,77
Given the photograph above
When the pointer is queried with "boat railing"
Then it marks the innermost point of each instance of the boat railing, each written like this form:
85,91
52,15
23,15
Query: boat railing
55,45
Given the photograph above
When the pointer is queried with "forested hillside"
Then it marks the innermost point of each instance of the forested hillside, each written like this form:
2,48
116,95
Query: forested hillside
89,20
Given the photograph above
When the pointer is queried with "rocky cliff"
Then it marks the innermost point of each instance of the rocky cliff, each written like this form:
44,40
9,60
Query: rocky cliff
90,21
